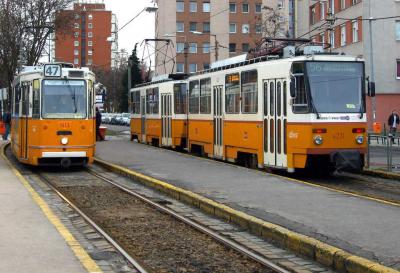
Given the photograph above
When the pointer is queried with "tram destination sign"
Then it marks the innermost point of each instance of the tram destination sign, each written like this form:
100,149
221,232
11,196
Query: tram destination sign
52,70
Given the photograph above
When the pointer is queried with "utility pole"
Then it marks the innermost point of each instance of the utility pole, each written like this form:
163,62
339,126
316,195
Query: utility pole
371,58
216,46
331,22
186,54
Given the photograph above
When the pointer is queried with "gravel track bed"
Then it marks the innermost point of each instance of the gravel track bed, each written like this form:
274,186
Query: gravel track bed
157,241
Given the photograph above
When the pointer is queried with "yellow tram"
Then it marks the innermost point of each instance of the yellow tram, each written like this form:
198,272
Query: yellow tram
53,117
294,113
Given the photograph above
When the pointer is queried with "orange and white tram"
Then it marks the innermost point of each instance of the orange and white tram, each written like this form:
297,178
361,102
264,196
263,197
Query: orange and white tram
293,113
53,117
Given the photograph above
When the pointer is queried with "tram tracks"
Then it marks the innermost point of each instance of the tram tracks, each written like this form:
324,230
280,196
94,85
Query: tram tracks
207,251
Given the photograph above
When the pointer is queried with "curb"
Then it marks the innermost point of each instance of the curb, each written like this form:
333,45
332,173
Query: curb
323,253
382,174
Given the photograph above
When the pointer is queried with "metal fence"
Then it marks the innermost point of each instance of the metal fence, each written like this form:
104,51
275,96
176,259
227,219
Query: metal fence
383,152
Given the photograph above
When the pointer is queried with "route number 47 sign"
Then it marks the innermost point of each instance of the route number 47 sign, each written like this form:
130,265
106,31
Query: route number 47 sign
52,70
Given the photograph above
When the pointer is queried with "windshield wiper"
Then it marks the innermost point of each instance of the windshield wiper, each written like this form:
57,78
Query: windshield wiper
313,106
73,94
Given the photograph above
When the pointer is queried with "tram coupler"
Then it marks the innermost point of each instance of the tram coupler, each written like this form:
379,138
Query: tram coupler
347,160
65,163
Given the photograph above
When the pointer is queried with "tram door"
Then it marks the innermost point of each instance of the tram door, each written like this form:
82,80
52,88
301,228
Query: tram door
218,122
275,112
166,119
23,151
143,117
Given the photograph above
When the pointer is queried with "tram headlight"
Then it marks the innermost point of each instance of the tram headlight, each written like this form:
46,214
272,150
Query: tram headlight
360,139
318,140
64,141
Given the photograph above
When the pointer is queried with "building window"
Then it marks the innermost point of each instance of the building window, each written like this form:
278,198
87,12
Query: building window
232,7
206,66
206,27
90,16
193,7
322,10
76,25
180,27
258,29
342,4
193,26
232,48
76,34
332,39
206,47
90,25
192,68
76,52
355,31
245,8
343,35
245,47
89,62
76,16
180,47
398,69
180,68
90,34
76,61
312,16
192,47
180,6
258,8
245,28
232,28
90,43
398,30
90,52
322,38
76,43
206,7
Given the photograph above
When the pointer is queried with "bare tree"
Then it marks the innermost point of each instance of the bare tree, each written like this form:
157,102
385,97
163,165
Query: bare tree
271,23
25,26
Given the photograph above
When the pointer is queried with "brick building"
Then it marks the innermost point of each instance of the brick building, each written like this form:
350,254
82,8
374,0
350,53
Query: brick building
213,29
351,35
87,43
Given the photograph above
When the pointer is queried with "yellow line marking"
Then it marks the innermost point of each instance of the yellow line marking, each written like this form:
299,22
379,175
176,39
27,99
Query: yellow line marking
78,250
288,178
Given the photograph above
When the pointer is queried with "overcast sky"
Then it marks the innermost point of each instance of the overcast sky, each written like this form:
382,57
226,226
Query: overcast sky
139,29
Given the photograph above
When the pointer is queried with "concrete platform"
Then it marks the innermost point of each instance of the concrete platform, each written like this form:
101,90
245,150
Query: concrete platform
363,227
29,241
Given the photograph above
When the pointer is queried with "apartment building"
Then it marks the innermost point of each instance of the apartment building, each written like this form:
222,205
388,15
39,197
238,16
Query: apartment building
91,38
351,35
210,30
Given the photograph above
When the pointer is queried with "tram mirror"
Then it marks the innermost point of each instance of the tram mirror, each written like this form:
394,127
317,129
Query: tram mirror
371,89
293,87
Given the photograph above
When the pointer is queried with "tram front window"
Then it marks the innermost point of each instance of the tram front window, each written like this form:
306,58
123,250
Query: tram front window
64,99
336,87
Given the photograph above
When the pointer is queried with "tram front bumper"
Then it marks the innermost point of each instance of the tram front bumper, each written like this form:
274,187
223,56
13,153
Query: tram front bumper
347,160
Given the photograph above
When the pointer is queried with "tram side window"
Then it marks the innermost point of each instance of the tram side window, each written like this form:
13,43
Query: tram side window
25,99
17,97
194,95
232,93
300,103
36,100
180,91
135,100
205,96
249,92
152,101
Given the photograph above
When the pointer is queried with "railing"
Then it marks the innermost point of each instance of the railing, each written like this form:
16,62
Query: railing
383,152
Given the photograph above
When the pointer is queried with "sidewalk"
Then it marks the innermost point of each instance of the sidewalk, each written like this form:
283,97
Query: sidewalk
28,241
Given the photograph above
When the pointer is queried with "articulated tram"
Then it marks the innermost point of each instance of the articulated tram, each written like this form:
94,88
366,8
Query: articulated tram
53,116
293,113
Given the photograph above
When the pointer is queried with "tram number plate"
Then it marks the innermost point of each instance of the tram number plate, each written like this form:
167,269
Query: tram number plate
52,70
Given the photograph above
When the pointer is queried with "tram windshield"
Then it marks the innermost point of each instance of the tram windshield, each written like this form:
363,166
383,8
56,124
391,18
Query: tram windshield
64,99
336,87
